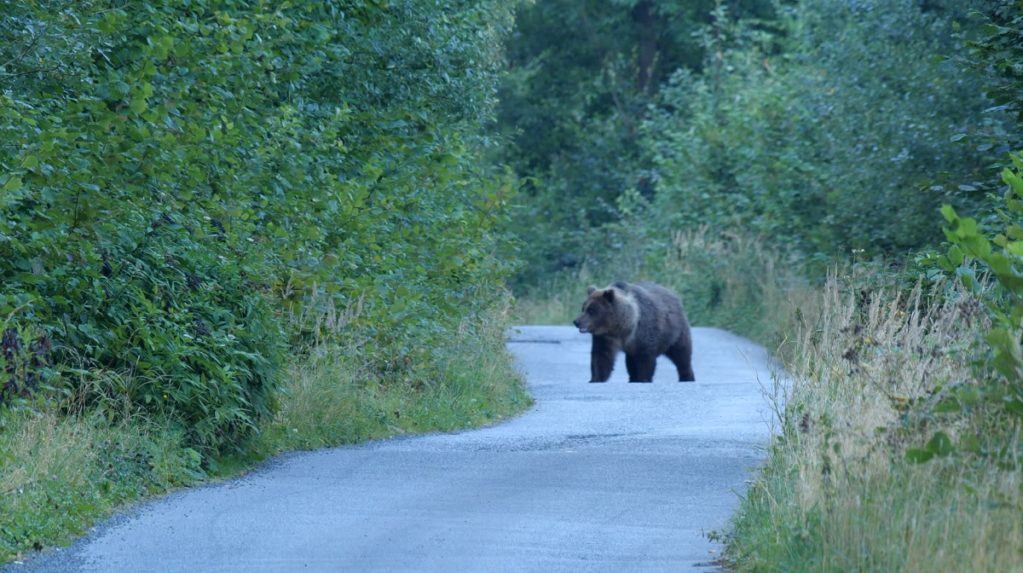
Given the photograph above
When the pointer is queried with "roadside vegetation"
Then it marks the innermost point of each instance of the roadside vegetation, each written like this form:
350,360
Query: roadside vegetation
837,181
231,229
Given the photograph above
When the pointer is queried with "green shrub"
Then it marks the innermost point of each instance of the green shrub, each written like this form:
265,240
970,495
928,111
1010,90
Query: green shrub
174,178
198,338
1000,257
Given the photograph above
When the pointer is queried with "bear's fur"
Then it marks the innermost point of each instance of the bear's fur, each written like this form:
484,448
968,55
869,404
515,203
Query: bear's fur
645,321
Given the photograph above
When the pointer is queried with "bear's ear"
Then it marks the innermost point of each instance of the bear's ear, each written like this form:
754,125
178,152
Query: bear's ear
590,290
609,294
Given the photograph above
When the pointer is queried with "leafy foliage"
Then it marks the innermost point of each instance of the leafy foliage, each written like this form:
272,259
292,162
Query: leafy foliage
1002,257
985,253
843,141
171,173
582,76
831,127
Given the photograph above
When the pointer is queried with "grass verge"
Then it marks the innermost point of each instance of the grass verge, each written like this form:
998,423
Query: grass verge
61,473
332,398
838,492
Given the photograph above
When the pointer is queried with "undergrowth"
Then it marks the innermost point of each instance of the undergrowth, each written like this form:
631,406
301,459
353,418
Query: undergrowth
59,473
332,397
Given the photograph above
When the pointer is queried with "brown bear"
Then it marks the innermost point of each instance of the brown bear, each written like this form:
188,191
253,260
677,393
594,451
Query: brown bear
645,320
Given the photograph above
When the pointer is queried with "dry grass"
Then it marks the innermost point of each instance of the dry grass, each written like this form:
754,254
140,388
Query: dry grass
838,493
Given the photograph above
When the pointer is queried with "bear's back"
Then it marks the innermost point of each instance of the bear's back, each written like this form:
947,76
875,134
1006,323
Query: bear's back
662,319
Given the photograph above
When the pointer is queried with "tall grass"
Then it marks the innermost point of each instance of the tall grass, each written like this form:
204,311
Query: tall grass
59,472
334,397
838,493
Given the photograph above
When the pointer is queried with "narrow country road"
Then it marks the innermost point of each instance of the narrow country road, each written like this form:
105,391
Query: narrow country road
613,477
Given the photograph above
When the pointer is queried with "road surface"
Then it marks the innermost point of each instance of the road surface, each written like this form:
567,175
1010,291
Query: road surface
612,477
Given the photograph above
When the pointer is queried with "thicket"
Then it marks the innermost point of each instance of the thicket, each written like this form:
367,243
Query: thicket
846,139
177,177
827,127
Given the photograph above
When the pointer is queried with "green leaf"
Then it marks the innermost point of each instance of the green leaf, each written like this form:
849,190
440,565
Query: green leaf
1015,247
940,444
13,184
138,104
918,455
949,213
999,263
1014,181
955,255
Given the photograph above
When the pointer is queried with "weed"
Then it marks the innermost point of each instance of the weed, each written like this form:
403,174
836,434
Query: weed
838,492
60,473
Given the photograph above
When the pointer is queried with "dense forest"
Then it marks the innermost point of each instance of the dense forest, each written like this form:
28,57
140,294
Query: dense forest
230,229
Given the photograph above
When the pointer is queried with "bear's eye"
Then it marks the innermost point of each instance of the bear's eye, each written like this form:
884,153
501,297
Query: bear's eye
590,311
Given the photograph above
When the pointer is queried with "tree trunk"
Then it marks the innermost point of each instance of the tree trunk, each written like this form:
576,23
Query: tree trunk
643,15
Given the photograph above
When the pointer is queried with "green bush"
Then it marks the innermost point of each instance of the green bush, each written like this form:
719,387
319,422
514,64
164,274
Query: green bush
1001,258
198,336
177,177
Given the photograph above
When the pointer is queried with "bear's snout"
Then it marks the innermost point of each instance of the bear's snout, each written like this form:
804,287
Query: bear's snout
578,324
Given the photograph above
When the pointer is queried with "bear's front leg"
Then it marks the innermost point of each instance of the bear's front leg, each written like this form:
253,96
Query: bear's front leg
602,358
640,367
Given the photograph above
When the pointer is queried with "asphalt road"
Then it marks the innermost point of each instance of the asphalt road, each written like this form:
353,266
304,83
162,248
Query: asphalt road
612,477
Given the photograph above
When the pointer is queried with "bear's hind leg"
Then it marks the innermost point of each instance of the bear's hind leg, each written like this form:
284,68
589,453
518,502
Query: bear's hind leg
640,367
602,358
681,353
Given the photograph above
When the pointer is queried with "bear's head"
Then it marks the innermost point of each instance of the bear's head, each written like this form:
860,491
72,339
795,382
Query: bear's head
599,315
